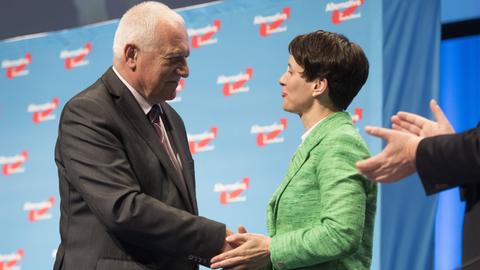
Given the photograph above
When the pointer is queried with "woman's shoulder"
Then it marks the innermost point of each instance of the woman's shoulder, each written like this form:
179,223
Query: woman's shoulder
344,139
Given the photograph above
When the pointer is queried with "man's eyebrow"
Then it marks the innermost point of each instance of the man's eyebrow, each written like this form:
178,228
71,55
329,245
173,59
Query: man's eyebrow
177,53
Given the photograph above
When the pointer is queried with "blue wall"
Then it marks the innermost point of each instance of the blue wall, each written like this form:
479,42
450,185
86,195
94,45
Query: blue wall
411,79
460,99
459,10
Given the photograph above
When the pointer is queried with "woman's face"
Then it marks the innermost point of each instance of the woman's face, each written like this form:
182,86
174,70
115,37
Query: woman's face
297,93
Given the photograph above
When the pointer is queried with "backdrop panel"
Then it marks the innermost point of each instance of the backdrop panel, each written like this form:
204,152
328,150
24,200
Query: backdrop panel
239,136
411,75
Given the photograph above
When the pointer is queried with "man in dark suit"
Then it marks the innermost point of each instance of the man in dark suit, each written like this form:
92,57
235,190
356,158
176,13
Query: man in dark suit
443,160
126,174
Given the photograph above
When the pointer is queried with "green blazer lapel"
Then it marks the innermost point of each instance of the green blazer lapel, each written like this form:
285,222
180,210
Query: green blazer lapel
301,155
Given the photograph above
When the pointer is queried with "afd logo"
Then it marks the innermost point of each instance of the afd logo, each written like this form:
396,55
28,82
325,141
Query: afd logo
204,35
180,88
11,165
357,115
11,261
43,112
344,11
39,210
18,67
269,134
230,193
273,23
235,84
201,142
76,58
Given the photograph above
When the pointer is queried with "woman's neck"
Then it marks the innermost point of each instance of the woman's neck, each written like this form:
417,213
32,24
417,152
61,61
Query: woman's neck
315,114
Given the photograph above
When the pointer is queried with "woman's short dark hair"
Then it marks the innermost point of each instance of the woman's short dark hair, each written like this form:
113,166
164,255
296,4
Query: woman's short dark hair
332,56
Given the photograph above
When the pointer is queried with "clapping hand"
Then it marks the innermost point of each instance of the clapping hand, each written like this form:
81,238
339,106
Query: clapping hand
420,126
397,160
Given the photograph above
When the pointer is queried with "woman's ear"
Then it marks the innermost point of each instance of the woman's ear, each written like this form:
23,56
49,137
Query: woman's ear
319,87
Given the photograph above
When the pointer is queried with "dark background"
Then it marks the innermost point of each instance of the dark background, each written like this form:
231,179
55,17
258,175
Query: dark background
23,17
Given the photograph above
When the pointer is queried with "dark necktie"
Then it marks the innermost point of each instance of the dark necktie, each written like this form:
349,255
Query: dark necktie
155,118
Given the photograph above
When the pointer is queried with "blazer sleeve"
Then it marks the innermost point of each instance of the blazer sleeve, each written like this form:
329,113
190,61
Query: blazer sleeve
340,216
448,161
96,165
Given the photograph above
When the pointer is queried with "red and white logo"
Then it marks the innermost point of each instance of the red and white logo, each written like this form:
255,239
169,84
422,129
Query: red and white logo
11,261
17,67
235,84
39,210
180,88
344,11
232,192
273,23
181,85
201,142
269,134
43,112
205,35
76,58
357,115
11,165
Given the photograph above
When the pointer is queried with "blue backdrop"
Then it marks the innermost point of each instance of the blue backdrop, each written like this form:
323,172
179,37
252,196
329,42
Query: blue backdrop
460,100
411,78
240,138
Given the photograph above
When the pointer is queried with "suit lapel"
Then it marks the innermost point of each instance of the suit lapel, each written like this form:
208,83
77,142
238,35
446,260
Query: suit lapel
130,108
296,162
182,152
299,158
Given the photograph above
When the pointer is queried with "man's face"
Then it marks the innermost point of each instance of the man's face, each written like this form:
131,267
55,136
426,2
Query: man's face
296,91
161,69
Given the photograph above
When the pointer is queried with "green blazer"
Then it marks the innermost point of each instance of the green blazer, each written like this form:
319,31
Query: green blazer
322,214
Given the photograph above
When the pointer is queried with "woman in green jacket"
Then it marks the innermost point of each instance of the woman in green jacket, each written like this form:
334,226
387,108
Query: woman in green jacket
322,214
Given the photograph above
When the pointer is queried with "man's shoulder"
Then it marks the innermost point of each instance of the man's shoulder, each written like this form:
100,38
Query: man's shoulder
171,111
97,92
93,100
97,89
93,91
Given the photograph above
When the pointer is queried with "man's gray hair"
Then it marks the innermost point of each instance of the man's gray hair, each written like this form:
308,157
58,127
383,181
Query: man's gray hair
138,26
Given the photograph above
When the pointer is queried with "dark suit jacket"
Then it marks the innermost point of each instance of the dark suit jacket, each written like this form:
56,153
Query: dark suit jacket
122,206
454,160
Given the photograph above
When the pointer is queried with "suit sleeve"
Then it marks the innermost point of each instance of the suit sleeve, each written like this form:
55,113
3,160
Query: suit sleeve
95,164
448,161
343,194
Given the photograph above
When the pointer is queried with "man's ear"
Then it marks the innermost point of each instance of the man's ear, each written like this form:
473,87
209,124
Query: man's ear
130,54
319,87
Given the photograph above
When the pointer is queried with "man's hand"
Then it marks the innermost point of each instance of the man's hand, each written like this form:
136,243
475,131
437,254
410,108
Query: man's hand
396,161
420,126
252,252
226,245
242,229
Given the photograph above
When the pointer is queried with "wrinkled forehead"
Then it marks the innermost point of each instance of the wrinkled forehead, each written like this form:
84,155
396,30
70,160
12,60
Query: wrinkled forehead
173,39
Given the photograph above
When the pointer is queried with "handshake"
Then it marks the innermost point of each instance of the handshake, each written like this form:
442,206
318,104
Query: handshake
243,251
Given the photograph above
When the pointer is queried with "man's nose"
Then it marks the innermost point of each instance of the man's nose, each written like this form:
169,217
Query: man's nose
183,70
